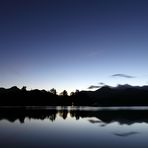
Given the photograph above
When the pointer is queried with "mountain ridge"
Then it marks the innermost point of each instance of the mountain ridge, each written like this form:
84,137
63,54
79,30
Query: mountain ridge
121,95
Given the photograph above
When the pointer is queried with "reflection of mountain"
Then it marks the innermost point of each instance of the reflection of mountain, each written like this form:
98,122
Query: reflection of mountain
121,116
104,116
122,95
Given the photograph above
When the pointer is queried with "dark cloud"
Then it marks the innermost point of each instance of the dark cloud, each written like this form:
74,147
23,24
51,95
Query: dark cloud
123,75
101,83
93,87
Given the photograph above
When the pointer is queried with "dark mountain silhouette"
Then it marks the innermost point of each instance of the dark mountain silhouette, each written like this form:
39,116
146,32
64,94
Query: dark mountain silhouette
122,95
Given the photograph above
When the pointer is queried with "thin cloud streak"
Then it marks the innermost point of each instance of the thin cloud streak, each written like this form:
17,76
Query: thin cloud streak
93,87
123,75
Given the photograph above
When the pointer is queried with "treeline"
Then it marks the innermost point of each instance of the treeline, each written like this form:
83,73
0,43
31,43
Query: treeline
121,95
22,97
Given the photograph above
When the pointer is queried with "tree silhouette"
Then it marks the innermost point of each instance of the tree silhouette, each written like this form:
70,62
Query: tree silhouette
77,91
64,93
72,94
53,91
24,88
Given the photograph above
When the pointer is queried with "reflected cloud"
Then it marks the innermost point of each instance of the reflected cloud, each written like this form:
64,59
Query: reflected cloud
103,125
126,134
94,121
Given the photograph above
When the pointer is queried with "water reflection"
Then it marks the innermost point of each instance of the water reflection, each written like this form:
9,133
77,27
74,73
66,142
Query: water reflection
65,127
126,116
126,134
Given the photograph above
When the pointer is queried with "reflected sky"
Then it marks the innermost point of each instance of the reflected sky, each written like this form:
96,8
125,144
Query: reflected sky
71,132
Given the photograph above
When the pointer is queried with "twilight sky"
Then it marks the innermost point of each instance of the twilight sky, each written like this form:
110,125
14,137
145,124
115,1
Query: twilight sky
72,44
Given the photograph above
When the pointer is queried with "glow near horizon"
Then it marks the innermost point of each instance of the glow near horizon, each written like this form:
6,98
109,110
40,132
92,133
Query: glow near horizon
72,45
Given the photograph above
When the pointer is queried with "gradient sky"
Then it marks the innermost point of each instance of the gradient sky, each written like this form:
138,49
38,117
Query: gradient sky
72,44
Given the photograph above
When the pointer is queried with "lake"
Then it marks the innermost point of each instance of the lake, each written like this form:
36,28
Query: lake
74,127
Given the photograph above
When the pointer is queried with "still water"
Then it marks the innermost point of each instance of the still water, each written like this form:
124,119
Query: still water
79,127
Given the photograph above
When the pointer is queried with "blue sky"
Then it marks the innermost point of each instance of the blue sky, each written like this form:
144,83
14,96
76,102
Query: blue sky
72,44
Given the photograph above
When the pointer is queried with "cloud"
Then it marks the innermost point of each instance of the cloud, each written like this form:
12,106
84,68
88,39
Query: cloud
101,83
93,87
123,75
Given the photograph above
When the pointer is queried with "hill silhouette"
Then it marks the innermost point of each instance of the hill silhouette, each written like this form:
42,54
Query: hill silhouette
122,95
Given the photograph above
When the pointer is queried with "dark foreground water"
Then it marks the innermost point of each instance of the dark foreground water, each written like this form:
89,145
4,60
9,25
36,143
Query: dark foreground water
74,127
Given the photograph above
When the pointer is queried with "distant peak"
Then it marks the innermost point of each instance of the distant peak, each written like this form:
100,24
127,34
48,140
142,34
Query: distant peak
123,86
14,88
105,87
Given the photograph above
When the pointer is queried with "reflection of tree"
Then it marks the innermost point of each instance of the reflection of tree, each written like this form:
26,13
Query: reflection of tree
63,113
20,114
52,117
74,113
104,116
